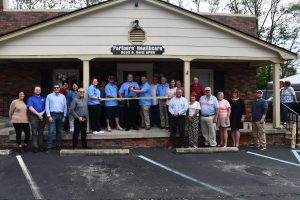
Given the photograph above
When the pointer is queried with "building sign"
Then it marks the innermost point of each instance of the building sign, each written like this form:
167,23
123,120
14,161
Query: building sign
137,50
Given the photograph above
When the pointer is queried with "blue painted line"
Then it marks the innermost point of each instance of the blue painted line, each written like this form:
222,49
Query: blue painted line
276,159
296,154
188,177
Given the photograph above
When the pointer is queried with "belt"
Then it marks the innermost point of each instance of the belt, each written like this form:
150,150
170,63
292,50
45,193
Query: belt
56,113
207,115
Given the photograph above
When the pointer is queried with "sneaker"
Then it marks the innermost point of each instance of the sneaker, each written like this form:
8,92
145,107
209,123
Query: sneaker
120,128
95,132
109,129
101,132
262,148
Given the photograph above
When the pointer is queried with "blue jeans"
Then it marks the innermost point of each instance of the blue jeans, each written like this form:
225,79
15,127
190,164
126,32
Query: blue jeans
57,124
285,111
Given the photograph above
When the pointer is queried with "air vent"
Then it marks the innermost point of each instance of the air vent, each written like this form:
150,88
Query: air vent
137,36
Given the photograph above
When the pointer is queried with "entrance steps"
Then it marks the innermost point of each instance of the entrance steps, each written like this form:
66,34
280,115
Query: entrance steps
154,137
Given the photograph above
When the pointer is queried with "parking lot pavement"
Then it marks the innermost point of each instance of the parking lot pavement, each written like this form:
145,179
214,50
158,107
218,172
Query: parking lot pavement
155,174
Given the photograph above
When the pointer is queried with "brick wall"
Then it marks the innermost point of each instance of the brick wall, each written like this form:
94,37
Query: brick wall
22,76
236,75
13,20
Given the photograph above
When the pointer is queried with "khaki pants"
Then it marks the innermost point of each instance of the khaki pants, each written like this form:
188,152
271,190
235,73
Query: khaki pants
164,119
208,128
145,114
258,134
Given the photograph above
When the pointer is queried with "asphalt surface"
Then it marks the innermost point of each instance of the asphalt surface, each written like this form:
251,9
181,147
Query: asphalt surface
186,176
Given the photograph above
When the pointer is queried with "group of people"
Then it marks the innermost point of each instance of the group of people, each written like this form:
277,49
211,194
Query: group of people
54,109
143,105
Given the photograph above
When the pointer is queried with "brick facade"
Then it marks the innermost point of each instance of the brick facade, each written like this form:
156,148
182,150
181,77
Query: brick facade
236,75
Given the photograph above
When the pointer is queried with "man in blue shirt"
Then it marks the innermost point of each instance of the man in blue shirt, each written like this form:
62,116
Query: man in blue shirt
145,104
56,110
209,115
163,111
111,106
37,118
131,106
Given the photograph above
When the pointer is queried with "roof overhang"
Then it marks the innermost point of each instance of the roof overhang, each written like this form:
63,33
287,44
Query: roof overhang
283,53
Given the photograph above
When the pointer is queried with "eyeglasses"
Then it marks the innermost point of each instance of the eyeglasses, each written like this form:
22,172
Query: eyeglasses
207,90
81,91
55,87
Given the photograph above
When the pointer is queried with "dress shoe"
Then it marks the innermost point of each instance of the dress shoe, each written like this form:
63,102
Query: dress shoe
136,128
127,129
25,147
41,149
20,149
59,146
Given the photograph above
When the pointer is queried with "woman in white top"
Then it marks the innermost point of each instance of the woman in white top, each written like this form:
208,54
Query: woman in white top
194,109
171,92
287,97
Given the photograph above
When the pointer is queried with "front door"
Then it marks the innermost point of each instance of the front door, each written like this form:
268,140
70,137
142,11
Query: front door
206,77
137,69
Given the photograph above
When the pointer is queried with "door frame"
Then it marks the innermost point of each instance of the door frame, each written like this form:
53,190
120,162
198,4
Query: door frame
211,73
123,67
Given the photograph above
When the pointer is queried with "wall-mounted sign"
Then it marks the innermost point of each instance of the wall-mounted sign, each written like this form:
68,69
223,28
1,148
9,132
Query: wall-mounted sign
137,50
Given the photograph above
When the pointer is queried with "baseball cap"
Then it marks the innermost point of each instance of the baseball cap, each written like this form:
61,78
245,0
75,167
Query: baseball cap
259,91
207,88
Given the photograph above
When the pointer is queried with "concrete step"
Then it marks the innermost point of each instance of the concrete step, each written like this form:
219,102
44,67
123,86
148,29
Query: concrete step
6,131
115,134
5,152
93,152
5,125
206,150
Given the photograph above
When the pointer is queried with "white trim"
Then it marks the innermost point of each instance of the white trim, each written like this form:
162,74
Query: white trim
226,14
